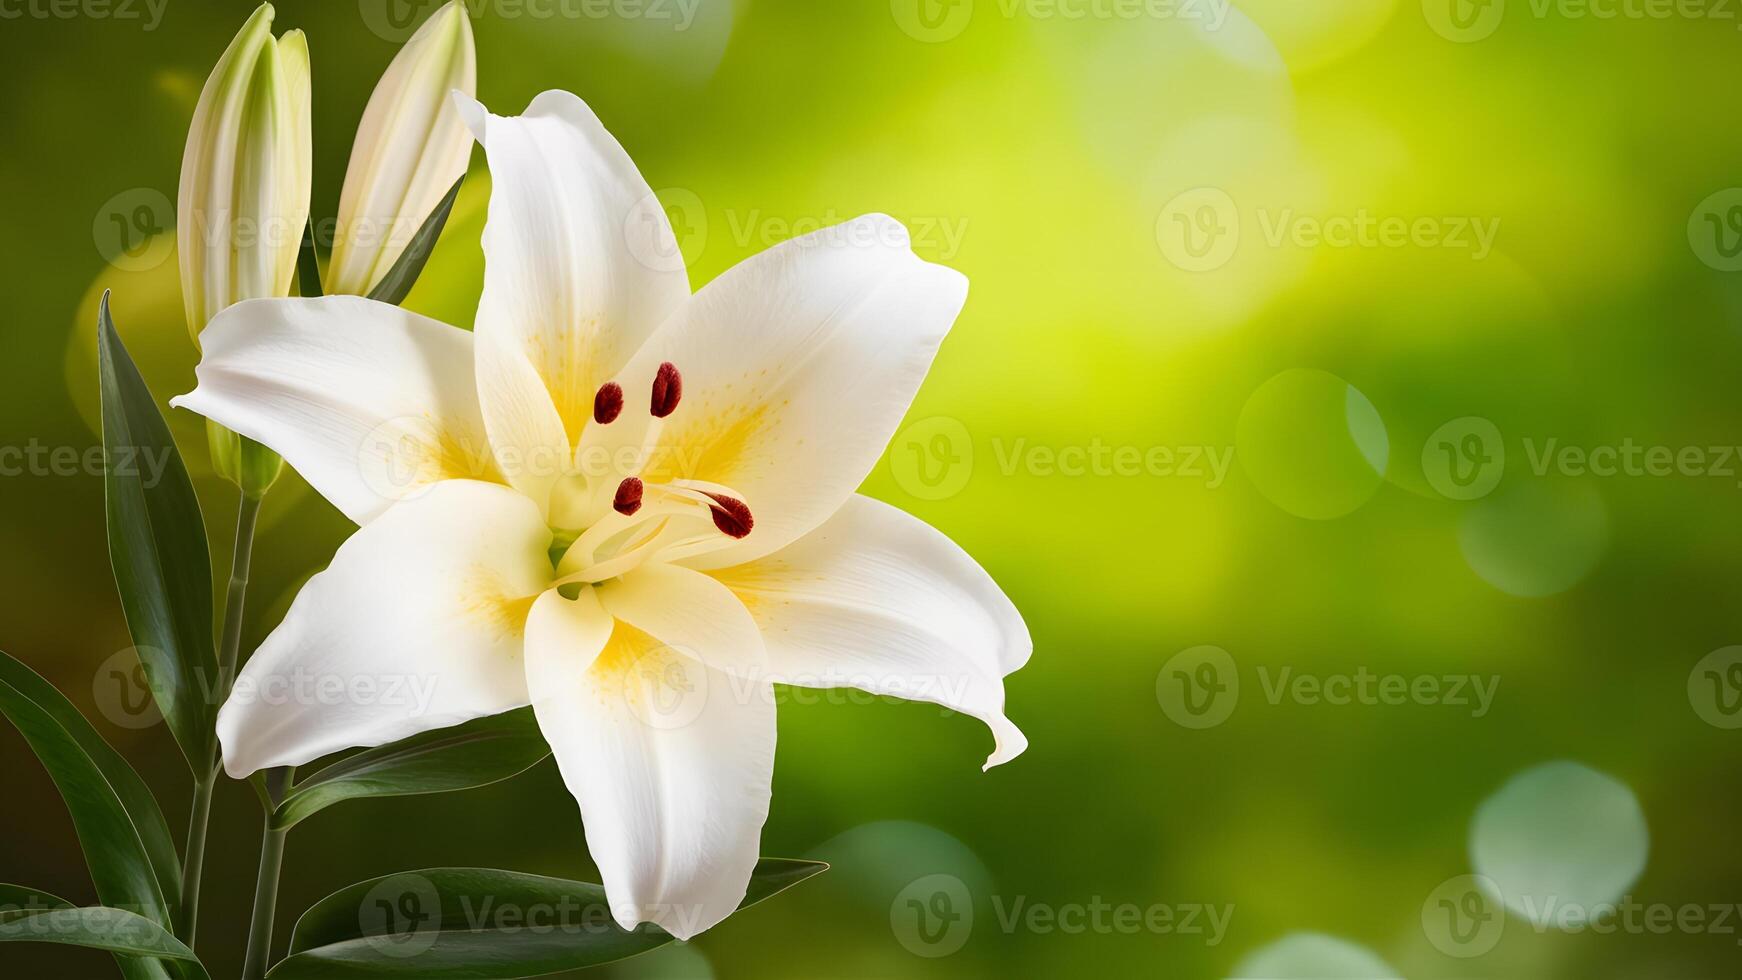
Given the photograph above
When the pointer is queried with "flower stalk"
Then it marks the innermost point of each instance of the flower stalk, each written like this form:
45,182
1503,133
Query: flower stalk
266,884
193,865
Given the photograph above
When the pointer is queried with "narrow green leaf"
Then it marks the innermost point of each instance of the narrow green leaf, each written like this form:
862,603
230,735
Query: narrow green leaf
18,900
308,264
115,930
157,545
478,924
120,867
134,795
477,753
397,283
18,903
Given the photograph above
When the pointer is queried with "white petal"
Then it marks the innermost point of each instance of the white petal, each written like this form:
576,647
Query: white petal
416,625
797,367
671,763
690,612
878,600
370,403
527,439
568,284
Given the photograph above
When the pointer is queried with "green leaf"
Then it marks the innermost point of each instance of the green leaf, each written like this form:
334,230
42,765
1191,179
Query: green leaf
135,797
120,866
18,900
115,930
18,903
397,283
157,545
477,753
478,924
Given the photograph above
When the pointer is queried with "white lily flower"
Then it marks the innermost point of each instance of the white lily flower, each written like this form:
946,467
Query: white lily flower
660,525
411,146
243,199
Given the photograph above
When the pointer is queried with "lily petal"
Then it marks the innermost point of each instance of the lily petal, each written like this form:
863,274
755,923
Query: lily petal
416,625
797,366
878,600
691,613
671,763
370,403
574,279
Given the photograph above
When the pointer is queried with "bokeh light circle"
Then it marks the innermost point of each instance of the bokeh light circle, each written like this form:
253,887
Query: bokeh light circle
1313,956
1313,35
1312,444
1559,840
1535,538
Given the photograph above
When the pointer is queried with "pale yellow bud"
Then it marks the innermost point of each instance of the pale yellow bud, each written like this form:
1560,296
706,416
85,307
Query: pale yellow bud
411,146
244,194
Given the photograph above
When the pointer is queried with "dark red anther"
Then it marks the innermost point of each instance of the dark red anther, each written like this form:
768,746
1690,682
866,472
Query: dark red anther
667,389
731,515
608,403
628,499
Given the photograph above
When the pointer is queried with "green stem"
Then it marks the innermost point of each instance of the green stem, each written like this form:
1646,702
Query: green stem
193,865
265,898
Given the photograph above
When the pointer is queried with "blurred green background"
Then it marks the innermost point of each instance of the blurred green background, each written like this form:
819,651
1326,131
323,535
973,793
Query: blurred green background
1354,251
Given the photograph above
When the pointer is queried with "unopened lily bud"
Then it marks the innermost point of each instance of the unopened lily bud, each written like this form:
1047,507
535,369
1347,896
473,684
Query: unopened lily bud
411,147
244,197
244,193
